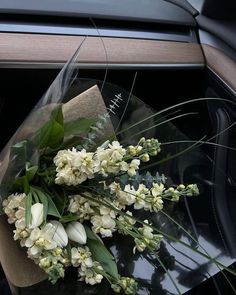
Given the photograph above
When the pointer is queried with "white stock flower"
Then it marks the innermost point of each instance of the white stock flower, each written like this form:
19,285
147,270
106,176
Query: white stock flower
123,166
89,275
40,239
128,196
36,215
101,154
113,168
157,189
70,176
141,194
117,151
124,198
76,232
157,204
126,219
21,232
85,163
73,167
104,210
14,207
81,256
133,166
125,222
60,235
104,225
20,223
64,158
114,188
139,245
109,160
147,230
82,207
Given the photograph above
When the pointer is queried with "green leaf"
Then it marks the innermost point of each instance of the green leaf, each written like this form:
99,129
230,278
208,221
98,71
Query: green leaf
20,150
90,234
60,200
52,209
71,142
52,133
101,254
78,126
23,183
28,205
68,218
5,188
30,171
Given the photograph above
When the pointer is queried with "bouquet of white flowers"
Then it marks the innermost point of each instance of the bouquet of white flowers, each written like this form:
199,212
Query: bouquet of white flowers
72,182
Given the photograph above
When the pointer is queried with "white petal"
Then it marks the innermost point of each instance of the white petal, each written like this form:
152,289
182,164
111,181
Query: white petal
76,232
60,235
28,243
36,215
35,234
34,250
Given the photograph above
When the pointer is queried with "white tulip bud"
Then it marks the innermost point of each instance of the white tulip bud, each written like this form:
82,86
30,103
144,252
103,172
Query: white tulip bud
36,215
76,232
60,235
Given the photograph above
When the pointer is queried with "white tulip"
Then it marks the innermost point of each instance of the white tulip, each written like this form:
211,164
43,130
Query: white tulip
60,235
36,215
76,232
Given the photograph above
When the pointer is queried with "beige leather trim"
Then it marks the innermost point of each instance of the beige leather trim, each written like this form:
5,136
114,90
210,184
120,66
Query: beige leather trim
221,65
58,48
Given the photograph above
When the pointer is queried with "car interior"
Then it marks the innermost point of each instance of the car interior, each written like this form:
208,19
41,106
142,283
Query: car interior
178,50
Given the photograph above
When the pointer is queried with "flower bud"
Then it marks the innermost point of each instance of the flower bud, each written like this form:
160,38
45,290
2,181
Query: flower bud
60,235
139,149
44,262
144,157
36,215
76,232
181,187
131,150
142,141
170,190
153,153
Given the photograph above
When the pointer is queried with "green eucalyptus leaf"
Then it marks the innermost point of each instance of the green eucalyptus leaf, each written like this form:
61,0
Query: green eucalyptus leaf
78,126
28,205
101,254
52,133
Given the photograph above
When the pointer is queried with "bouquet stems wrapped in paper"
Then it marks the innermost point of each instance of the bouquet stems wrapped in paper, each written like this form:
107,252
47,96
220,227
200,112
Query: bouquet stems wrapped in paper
80,189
